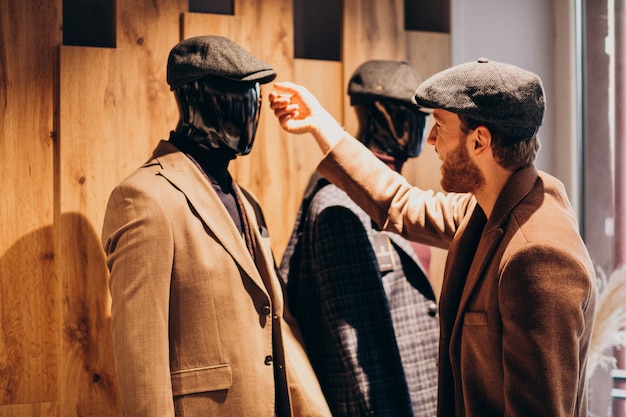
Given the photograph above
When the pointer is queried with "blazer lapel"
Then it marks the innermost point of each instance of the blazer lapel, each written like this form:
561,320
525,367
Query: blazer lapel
181,172
264,256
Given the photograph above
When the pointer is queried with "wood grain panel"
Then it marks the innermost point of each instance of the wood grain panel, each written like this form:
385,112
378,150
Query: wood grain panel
29,314
266,171
48,409
29,290
126,108
372,29
95,153
422,48
328,89
147,30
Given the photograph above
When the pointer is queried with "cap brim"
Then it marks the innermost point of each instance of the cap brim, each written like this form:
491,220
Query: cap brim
262,77
422,106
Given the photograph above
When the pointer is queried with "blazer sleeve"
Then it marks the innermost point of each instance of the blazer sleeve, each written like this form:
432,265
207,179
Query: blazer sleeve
138,242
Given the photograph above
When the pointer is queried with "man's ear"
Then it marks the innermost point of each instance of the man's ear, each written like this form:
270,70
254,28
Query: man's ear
482,139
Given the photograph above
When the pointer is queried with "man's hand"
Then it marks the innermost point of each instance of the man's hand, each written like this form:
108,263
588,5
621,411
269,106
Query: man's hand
298,111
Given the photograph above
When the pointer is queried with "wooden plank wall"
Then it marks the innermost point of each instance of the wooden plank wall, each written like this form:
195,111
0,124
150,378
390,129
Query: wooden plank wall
29,296
76,120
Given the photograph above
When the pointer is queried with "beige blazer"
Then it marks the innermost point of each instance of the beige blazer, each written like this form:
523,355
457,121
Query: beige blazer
199,328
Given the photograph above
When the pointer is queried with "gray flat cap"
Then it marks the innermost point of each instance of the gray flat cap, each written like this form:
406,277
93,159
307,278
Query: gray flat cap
506,97
197,57
383,79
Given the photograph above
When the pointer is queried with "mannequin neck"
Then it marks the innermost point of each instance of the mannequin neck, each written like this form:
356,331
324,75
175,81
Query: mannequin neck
214,162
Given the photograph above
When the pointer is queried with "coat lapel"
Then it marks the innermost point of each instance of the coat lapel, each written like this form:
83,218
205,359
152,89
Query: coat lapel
461,257
185,176
520,184
488,243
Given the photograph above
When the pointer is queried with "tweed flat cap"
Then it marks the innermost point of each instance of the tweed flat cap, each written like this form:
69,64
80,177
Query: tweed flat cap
197,57
383,79
506,97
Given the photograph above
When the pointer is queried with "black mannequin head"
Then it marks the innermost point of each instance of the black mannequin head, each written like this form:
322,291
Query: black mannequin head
389,123
216,84
216,113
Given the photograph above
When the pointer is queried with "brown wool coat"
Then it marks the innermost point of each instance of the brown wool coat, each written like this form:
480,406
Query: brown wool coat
518,297
192,315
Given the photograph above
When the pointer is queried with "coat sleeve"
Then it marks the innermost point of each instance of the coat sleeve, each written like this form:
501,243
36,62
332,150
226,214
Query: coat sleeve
138,242
394,204
544,299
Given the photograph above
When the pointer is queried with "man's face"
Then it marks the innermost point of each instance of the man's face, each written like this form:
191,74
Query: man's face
460,174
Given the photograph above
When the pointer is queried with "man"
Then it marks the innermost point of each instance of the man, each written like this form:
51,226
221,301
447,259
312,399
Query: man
198,317
517,303
361,295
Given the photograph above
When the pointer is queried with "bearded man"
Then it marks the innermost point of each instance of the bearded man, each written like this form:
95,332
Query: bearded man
518,297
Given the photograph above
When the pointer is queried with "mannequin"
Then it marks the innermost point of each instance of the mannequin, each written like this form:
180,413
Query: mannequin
198,316
365,307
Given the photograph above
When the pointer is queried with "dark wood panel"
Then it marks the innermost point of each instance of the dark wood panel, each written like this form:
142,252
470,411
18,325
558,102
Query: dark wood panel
427,15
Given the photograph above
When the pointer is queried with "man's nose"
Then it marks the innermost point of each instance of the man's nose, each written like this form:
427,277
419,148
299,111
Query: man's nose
432,136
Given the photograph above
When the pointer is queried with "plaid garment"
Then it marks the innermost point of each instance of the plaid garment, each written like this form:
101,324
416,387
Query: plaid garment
371,336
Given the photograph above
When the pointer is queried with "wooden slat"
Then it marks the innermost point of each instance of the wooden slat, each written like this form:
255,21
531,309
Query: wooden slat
147,30
47,409
423,171
266,171
303,150
372,29
29,290
92,159
126,108
329,91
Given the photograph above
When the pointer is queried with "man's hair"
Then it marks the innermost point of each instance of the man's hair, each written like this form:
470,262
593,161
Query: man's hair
509,152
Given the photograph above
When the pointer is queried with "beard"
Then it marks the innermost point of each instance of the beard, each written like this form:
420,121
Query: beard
459,173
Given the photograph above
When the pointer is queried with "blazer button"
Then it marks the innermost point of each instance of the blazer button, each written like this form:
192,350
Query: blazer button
266,310
432,309
268,360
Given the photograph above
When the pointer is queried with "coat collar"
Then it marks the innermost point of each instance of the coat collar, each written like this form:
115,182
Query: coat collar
182,173
518,186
